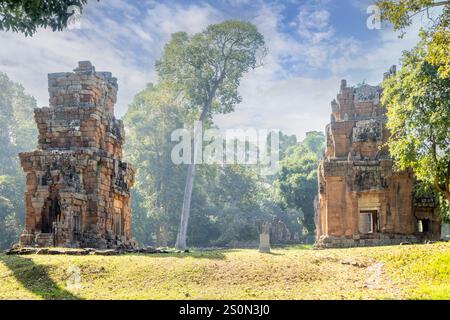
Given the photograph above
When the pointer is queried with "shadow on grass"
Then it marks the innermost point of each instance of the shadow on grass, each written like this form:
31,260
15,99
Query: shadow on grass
35,278
274,253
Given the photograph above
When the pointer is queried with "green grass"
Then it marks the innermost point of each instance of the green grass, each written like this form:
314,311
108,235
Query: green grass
424,274
395,272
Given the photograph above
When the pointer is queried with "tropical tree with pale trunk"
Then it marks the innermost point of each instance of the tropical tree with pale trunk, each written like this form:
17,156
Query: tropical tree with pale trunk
418,110
205,70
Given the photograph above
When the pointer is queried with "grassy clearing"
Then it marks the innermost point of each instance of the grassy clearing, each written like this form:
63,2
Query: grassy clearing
397,272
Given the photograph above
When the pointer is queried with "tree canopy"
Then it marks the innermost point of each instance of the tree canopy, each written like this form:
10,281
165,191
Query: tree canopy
26,16
297,181
418,106
206,68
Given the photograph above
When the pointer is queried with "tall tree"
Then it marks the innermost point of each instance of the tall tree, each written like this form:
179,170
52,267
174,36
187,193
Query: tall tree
418,105
206,69
436,33
26,16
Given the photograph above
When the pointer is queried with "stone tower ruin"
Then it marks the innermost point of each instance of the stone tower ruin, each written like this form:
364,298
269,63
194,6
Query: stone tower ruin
77,187
362,200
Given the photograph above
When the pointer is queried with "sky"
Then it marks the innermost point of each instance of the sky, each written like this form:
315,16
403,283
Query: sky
312,44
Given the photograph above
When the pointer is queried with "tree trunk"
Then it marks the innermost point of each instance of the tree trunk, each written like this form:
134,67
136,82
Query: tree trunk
447,196
180,244
185,211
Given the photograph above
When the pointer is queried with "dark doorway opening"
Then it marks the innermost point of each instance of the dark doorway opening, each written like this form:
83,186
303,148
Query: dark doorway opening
117,222
424,225
50,214
368,221
76,227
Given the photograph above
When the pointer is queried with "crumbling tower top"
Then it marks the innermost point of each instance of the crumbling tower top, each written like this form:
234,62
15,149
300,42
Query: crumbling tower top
83,88
81,112
357,127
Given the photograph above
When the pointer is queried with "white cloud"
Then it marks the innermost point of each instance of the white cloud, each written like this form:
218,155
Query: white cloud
313,19
296,105
314,24
373,59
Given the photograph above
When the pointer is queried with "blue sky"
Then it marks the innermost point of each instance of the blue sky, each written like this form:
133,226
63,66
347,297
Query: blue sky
313,44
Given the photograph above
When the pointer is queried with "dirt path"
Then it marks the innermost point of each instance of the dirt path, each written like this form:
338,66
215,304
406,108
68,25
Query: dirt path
374,281
378,280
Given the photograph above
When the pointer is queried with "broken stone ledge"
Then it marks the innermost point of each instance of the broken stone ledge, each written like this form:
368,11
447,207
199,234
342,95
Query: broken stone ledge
84,251
325,242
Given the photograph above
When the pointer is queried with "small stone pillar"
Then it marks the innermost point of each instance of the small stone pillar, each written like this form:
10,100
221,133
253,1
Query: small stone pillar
264,237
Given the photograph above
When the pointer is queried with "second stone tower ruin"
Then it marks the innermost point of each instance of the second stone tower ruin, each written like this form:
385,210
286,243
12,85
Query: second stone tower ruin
362,200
